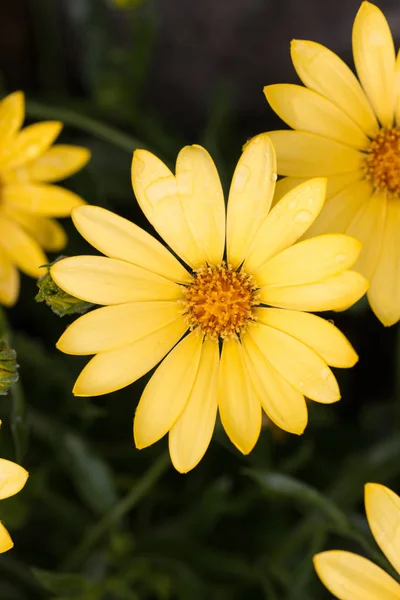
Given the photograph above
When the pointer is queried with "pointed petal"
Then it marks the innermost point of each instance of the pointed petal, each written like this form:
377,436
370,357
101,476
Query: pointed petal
12,478
368,227
302,154
119,238
324,72
115,369
383,513
374,58
6,542
30,143
49,234
334,293
9,281
250,196
21,249
351,577
190,436
44,200
115,326
110,281
307,110
317,333
384,293
156,192
286,222
202,198
284,405
339,211
239,407
166,394
12,113
310,261
58,162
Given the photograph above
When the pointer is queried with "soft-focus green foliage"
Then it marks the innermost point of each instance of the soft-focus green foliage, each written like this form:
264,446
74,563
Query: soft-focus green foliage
99,520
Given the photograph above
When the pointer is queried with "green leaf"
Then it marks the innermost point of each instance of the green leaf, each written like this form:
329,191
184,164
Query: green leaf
69,584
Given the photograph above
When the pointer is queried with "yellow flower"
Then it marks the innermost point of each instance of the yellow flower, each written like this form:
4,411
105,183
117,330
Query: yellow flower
271,357
12,480
28,164
351,577
351,134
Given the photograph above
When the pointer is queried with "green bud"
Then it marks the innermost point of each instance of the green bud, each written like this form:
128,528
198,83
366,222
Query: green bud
8,367
60,302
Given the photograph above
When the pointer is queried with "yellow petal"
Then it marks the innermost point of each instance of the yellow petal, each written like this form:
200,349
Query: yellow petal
6,542
30,143
324,72
382,507
320,335
115,369
384,293
351,577
44,200
58,162
12,478
190,436
286,222
310,261
12,113
21,249
119,238
156,192
335,184
339,211
303,368
374,58
166,394
239,407
307,110
368,227
9,281
115,326
110,281
284,405
250,196
49,234
302,154
334,293
202,198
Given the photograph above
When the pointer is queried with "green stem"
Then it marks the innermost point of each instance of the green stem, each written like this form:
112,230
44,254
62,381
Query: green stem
104,132
117,512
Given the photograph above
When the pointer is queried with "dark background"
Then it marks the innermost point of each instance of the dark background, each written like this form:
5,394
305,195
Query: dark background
99,520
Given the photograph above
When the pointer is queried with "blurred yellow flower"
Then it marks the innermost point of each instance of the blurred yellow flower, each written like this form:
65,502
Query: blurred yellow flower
270,358
12,480
29,163
351,577
351,134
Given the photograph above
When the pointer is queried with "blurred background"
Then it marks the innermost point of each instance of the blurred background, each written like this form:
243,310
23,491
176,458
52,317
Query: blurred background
99,520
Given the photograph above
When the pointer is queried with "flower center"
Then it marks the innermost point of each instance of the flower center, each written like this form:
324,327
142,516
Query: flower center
220,301
382,162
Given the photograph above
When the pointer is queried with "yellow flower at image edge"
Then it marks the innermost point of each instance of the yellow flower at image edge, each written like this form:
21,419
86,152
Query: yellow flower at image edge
271,356
351,135
12,480
29,164
351,577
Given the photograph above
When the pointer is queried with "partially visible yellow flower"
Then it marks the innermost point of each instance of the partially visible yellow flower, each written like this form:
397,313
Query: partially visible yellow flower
351,577
350,134
12,480
271,357
29,163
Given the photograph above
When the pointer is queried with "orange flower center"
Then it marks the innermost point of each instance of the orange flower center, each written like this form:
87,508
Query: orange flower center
219,301
382,161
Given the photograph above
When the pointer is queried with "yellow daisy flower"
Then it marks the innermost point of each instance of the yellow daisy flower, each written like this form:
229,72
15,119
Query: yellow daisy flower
351,577
12,480
270,358
351,135
29,163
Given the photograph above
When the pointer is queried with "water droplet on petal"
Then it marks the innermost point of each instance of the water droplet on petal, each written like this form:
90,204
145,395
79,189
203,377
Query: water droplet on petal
274,176
340,258
324,374
240,178
292,204
303,216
